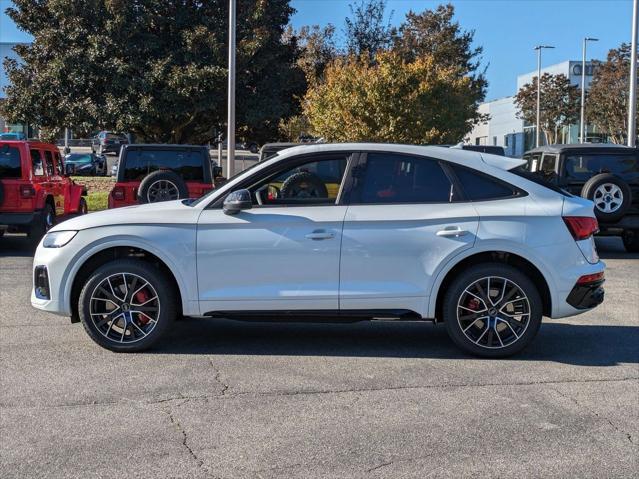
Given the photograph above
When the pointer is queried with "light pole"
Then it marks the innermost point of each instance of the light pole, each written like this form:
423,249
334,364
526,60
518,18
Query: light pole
632,100
582,121
538,131
230,136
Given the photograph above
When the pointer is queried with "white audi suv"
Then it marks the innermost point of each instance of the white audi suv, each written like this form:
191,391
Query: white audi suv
337,232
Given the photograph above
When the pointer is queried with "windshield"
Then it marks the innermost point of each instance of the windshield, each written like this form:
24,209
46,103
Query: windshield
228,185
78,158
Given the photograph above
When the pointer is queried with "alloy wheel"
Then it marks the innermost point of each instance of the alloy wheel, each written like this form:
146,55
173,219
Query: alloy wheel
493,312
608,198
162,190
124,307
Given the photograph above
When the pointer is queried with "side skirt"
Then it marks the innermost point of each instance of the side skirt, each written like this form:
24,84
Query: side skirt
320,316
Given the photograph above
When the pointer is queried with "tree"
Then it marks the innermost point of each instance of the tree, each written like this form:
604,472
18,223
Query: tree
156,68
559,104
391,101
607,102
366,32
316,49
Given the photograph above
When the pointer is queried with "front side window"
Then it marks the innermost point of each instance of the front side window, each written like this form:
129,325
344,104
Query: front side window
49,162
316,182
10,166
59,165
394,178
583,167
188,164
36,161
478,186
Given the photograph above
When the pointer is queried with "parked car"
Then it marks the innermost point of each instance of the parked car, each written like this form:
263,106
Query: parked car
248,145
606,174
85,164
153,173
339,232
34,191
493,150
12,135
108,142
271,149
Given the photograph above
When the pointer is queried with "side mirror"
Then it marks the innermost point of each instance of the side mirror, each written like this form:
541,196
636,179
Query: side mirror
237,201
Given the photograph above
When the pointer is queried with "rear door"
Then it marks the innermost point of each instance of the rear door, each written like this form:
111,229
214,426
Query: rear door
56,182
402,223
11,171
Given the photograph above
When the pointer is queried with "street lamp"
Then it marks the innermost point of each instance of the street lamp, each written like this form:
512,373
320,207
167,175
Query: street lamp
632,100
230,137
539,48
582,121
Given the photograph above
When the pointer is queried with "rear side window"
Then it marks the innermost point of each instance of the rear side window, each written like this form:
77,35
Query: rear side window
59,166
477,186
188,164
10,166
392,178
36,161
583,167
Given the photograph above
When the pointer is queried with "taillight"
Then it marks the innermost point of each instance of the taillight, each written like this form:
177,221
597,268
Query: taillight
581,227
118,193
591,278
27,191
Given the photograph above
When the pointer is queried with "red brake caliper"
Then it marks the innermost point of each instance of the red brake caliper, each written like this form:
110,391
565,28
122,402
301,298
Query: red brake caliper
140,298
473,304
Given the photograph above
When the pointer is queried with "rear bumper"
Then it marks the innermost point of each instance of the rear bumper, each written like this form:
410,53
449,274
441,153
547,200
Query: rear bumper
586,296
19,219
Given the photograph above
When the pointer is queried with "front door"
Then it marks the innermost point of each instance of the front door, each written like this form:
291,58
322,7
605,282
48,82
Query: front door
401,225
283,254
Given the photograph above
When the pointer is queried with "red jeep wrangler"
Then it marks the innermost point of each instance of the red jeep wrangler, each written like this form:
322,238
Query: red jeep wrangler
152,173
34,191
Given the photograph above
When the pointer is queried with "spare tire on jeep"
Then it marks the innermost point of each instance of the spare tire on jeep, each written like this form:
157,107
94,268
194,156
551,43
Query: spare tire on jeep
163,185
611,195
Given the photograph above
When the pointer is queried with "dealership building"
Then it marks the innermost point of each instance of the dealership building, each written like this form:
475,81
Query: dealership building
516,136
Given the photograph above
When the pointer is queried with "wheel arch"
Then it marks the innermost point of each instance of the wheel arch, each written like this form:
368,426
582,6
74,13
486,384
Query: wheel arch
96,257
499,255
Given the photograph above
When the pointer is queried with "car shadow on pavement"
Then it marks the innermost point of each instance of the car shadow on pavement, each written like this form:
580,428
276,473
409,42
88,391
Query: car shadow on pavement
584,345
16,246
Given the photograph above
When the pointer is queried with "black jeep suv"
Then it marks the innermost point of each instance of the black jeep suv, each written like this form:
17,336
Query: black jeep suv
604,173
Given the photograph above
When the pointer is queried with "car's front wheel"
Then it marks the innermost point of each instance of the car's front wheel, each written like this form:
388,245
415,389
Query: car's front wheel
492,310
127,305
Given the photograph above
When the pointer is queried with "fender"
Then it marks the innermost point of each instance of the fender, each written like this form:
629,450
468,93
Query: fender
189,306
74,194
486,247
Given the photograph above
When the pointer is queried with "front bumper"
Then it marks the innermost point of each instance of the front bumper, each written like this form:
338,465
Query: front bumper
586,296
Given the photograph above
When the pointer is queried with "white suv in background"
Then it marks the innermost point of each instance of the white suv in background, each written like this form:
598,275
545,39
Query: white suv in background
341,232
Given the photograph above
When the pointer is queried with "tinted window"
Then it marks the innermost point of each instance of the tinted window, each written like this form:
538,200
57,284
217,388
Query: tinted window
393,178
10,162
478,186
49,159
315,182
583,167
36,161
188,164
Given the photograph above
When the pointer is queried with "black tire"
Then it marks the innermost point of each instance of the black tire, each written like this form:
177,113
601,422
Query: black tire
151,190
253,148
44,223
304,185
106,334
83,208
608,191
515,337
630,240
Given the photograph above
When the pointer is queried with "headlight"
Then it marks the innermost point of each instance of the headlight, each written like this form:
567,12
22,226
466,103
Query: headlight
58,239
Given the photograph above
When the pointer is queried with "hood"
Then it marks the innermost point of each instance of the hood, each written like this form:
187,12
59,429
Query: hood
168,212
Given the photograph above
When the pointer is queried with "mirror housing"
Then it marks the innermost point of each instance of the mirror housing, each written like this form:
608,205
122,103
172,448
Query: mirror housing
237,201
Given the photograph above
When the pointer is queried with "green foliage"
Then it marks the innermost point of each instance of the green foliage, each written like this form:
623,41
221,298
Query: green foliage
607,102
392,101
559,104
156,68
366,32
294,127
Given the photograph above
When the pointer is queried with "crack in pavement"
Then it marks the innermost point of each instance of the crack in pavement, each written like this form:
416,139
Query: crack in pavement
225,387
596,414
379,466
241,394
180,428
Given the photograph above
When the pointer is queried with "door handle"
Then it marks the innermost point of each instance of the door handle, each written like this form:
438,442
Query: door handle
454,231
318,235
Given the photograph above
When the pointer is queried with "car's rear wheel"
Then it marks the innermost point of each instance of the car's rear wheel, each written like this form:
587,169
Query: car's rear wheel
492,310
44,223
127,305
83,208
631,240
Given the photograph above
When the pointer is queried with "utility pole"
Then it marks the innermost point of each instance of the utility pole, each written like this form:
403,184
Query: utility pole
632,99
538,129
230,137
582,120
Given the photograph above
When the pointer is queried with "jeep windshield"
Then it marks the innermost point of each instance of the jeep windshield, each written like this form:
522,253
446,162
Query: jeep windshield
189,164
10,162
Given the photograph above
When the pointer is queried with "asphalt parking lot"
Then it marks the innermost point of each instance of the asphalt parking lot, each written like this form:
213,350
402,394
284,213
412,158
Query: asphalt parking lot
226,399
